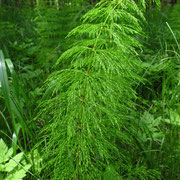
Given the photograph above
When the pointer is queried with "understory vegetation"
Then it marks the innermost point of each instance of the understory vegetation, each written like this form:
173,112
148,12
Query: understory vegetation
90,89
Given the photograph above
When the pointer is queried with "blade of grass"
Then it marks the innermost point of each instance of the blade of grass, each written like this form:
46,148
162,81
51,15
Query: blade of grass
6,122
16,97
11,106
15,139
12,71
173,35
5,86
4,80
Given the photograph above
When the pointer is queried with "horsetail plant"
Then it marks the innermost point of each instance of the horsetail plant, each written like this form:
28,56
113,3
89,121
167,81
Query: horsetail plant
92,95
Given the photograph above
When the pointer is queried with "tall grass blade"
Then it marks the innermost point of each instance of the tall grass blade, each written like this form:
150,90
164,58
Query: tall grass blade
6,122
15,138
13,73
18,109
11,103
4,81
173,35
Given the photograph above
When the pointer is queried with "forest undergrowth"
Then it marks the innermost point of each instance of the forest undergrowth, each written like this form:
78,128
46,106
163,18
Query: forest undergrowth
89,90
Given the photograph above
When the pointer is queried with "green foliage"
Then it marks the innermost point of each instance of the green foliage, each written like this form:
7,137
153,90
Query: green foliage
174,24
88,127
12,168
15,100
15,30
161,92
174,118
53,26
151,128
160,58
35,159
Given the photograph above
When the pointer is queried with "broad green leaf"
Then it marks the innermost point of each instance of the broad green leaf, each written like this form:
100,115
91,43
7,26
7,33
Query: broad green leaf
4,152
19,174
27,167
10,65
13,162
4,80
157,135
174,118
1,168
